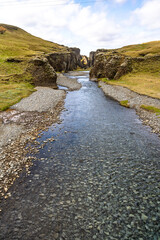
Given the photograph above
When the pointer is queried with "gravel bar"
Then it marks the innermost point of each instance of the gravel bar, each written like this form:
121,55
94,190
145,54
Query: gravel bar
44,99
71,83
19,126
135,100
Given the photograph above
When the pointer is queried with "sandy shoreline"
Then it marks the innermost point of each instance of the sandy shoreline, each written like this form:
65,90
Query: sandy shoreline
135,100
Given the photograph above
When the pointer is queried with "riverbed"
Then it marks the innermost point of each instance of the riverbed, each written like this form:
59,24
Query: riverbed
96,177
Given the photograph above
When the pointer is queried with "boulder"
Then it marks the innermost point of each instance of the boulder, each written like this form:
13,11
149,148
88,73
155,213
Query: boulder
42,73
110,64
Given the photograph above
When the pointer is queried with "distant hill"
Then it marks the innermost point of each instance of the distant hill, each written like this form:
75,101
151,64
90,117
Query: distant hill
17,43
141,50
26,60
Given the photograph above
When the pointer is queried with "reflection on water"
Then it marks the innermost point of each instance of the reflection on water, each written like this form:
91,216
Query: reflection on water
98,180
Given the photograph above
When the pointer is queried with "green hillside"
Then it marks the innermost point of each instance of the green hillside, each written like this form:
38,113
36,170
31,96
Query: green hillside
141,50
17,43
145,76
16,48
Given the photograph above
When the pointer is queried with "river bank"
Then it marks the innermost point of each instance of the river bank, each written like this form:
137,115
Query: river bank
95,178
134,100
21,124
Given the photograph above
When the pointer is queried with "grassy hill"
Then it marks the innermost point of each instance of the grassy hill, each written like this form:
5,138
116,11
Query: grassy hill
16,48
145,76
141,50
17,43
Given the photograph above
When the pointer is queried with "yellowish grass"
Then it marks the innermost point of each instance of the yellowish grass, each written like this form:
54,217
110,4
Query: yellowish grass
137,50
143,83
17,43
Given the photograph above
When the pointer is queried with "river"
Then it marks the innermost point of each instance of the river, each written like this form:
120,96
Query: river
98,180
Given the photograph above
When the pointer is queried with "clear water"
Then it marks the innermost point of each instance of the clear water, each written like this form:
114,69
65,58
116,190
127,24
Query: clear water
98,180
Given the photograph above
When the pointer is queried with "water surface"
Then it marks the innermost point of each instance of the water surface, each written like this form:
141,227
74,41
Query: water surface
98,180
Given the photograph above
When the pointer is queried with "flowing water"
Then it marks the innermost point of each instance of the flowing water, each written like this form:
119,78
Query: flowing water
99,179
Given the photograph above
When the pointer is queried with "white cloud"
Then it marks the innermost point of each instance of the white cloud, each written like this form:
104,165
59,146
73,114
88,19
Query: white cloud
120,1
70,24
149,14
86,27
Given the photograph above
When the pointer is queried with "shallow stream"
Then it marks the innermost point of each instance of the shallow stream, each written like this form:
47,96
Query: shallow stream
98,180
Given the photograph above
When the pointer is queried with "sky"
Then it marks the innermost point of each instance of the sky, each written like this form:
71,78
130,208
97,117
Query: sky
86,24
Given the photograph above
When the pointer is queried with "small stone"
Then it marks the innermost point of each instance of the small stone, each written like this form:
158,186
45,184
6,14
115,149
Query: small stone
144,217
129,226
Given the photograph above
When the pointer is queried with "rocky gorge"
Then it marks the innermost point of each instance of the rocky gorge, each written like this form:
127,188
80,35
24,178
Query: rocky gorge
114,65
41,69
90,172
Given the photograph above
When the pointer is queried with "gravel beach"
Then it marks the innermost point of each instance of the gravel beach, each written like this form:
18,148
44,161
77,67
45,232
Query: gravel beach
70,83
135,100
21,124
44,99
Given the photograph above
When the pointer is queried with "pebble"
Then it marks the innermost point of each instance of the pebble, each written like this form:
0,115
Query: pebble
144,217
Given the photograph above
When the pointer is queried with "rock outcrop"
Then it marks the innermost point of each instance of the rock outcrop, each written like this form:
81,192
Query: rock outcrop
92,58
42,69
41,72
111,65
67,61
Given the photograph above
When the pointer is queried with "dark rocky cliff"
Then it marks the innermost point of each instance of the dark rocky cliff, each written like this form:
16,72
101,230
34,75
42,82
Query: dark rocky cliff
92,58
43,68
67,61
113,64
110,64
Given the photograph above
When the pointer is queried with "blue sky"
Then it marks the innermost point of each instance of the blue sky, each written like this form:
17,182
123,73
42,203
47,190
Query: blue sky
86,24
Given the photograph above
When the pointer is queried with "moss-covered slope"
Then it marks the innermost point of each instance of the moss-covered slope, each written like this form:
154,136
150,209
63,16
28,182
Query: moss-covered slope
15,43
136,67
26,59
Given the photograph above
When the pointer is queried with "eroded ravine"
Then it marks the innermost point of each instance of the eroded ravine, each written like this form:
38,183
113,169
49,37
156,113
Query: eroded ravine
98,180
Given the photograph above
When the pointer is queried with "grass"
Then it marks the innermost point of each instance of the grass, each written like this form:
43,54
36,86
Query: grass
143,83
18,44
151,109
144,78
138,50
125,103
11,93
